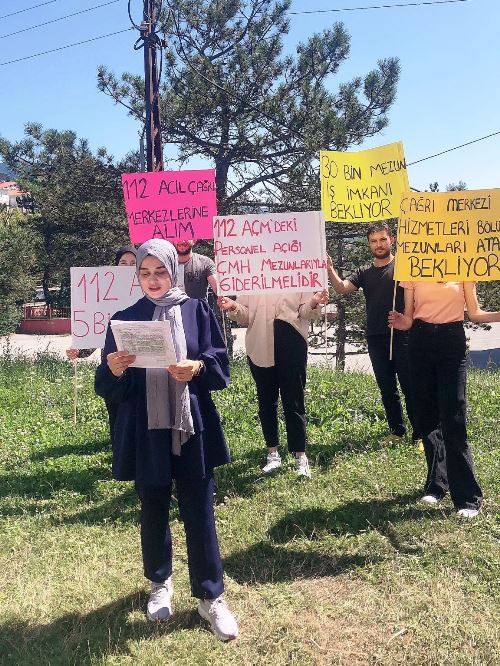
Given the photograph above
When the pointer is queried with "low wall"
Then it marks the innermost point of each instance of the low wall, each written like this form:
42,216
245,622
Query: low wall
55,326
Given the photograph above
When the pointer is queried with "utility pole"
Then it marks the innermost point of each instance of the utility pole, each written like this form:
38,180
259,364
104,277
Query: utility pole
154,152
142,153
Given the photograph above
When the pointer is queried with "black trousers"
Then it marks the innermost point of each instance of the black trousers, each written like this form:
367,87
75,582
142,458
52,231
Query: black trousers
196,509
437,365
387,372
286,378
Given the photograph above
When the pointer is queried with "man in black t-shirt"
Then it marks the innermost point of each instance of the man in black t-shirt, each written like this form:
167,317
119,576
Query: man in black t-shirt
377,282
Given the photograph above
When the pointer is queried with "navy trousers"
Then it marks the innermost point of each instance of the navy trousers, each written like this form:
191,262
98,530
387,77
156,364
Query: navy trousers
196,507
386,371
437,366
287,377
112,409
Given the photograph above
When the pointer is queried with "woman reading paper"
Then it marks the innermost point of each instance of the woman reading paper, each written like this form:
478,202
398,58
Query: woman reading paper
167,428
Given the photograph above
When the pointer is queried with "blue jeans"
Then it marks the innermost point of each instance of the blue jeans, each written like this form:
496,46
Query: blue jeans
437,367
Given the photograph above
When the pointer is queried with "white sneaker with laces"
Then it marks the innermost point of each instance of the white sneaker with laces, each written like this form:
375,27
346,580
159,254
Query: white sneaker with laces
302,467
160,601
273,463
429,499
222,622
468,513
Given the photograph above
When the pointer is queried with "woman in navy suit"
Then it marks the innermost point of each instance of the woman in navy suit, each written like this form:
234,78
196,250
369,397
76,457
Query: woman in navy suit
167,427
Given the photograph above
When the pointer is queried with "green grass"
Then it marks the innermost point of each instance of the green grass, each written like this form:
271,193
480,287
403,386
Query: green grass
345,569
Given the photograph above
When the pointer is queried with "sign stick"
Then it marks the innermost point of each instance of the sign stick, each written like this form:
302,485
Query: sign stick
393,301
392,327
224,326
75,389
326,338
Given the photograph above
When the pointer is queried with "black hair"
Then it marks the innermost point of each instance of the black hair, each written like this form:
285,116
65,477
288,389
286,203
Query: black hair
378,226
124,250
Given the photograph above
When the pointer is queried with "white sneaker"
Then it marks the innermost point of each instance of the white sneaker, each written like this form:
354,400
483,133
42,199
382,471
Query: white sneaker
222,622
302,467
468,513
160,601
273,463
429,499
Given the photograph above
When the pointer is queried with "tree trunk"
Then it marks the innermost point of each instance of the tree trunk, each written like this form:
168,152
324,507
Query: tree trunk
221,171
341,337
222,164
341,315
45,286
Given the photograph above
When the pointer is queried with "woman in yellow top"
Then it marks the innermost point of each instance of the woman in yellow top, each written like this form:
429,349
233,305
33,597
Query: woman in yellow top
434,313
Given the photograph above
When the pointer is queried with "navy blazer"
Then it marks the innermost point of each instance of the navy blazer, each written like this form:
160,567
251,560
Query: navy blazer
144,455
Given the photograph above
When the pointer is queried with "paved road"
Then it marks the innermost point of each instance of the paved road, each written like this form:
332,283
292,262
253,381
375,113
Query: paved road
33,344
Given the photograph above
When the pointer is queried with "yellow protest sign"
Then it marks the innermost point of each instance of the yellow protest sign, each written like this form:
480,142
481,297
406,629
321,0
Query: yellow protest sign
365,186
449,236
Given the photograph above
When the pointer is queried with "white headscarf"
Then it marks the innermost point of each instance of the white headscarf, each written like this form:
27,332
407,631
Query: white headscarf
168,402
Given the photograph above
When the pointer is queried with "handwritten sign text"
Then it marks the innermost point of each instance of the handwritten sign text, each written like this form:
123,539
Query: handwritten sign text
170,204
364,186
96,294
270,253
449,236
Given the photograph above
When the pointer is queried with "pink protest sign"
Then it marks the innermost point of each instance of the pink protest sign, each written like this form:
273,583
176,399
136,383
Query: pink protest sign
170,204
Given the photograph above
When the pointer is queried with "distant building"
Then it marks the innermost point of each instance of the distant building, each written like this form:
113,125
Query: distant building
9,191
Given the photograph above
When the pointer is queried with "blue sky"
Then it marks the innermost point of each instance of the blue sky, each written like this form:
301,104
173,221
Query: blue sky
448,92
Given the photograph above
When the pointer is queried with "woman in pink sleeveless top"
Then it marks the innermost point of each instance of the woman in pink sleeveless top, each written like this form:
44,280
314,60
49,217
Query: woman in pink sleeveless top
434,314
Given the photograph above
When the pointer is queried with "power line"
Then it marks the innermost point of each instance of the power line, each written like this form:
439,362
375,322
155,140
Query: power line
298,134
61,18
449,150
317,11
20,11
396,6
68,46
312,11
260,111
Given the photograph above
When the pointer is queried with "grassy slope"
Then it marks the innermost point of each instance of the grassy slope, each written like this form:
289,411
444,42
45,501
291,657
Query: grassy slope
345,569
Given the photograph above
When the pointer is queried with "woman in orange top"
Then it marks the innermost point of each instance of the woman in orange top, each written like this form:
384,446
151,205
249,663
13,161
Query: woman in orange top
434,311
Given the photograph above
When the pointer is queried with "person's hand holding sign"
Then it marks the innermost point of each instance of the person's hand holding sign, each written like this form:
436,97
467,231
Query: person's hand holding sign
226,304
399,321
320,298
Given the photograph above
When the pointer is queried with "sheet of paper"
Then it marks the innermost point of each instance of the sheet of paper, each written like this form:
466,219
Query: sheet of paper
149,341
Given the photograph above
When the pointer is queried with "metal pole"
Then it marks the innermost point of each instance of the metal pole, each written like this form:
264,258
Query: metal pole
154,152
142,153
